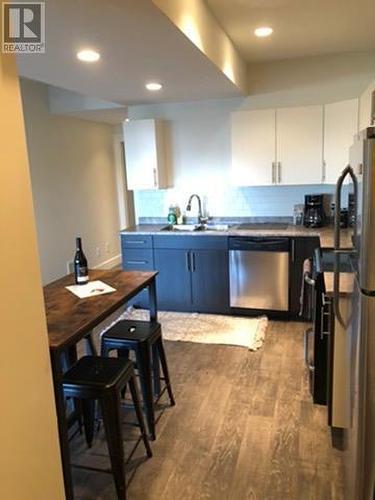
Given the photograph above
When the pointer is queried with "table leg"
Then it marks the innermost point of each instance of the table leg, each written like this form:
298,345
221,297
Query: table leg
155,355
62,422
90,345
152,301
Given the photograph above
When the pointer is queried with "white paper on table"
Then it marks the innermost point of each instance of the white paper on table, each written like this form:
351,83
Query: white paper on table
91,289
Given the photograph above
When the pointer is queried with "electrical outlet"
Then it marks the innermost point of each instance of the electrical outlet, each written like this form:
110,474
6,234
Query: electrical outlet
69,267
107,247
98,252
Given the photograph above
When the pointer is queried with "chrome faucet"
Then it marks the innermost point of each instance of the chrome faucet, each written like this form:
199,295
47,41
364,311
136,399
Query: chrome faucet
201,219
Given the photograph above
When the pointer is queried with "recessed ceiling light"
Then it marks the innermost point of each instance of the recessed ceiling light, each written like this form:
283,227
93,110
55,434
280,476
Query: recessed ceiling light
263,31
153,86
88,55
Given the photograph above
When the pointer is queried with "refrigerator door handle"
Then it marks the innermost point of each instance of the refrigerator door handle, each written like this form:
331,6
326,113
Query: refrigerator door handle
348,170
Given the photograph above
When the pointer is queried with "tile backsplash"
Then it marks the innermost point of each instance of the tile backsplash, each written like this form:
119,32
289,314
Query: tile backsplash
265,201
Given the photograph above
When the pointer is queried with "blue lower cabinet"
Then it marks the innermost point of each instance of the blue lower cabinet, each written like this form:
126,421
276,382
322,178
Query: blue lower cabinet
138,260
192,280
193,270
173,283
210,281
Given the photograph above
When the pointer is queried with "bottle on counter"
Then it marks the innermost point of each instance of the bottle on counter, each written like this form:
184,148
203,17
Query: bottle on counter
172,218
174,215
80,264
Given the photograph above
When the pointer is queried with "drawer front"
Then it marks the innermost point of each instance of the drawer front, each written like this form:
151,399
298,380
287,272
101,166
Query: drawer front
136,241
137,260
204,242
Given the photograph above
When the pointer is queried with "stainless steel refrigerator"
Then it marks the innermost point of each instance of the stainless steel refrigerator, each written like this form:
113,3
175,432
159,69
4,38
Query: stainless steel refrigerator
356,317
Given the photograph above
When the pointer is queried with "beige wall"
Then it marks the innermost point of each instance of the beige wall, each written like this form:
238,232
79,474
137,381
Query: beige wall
73,178
327,78
29,458
195,20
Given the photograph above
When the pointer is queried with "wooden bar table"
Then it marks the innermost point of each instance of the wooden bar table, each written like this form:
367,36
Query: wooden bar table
70,319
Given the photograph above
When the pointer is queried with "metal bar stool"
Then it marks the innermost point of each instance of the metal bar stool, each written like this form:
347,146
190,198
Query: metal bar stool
144,338
103,379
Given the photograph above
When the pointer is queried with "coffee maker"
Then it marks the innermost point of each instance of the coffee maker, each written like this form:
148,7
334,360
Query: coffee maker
314,211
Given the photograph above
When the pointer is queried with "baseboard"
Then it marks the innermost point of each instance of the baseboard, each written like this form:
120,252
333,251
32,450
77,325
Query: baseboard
110,263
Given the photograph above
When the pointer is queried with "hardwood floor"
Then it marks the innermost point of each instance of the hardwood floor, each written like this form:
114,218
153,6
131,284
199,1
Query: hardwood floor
243,428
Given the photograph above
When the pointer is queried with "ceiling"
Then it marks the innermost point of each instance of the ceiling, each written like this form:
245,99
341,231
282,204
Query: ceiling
301,29
137,44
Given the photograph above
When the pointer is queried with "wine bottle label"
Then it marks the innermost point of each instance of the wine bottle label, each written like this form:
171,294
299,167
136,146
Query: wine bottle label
82,275
82,279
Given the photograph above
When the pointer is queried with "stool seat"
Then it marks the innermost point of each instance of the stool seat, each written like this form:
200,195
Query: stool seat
144,339
97,372
92,379
136,331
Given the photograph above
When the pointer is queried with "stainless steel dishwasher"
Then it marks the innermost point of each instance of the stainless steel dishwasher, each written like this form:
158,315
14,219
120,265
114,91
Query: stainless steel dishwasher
259,273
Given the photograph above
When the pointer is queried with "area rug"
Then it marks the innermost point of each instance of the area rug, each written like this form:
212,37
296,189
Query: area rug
207,328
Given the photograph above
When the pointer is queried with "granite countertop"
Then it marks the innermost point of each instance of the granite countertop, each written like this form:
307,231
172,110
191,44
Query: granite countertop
325,234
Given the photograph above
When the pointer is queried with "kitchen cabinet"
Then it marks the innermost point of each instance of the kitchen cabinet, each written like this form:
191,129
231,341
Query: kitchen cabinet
193,273
253,148
173,283
146,154
365,107
340,126
273,147
299,145
192,280
194,270
137,255
210,281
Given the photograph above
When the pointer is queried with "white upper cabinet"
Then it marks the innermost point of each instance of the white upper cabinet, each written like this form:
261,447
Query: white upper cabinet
365,106
299,145
253,148
283,146
340,126
145,154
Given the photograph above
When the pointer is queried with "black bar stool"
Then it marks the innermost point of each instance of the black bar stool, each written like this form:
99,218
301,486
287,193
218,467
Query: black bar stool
94,378
145,339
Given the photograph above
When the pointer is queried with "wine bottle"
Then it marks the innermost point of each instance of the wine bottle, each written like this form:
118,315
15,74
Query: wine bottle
80,265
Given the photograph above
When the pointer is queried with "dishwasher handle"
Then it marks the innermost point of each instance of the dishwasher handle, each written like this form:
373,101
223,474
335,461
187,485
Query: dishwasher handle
262,244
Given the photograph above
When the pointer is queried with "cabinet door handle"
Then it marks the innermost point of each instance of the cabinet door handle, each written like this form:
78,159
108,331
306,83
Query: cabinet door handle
136,242
142,262
188,261
155,177
323,171
279,172
293,250
193,261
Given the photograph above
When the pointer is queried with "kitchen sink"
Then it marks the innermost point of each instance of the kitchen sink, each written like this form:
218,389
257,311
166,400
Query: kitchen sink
184,228
196,227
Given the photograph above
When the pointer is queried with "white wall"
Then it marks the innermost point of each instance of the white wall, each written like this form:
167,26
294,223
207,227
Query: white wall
74,185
